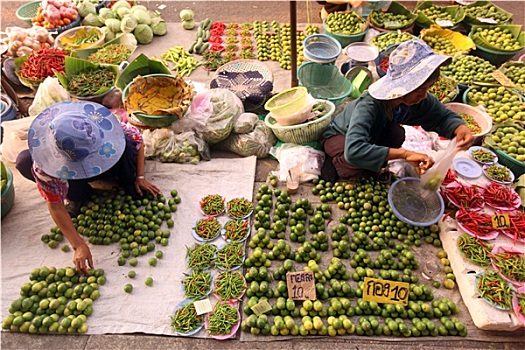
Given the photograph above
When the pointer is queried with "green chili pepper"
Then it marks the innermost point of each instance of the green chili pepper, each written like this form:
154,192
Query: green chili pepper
474,249
229,285
185,319
239,208
222,319
495,289
208,228
197,284
236,230
212,204
230,256
201,256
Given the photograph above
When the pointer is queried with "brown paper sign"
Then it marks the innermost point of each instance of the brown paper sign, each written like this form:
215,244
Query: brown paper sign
503,79
500,221
202,306
261,307
384,291
301,285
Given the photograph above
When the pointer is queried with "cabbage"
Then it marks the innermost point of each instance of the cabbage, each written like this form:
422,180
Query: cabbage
85,8
131,38
143,33
105,13
159,26
142,17
128,24
122,12
120,4
188,24
138,8
113,24
92,20
186,15
108,34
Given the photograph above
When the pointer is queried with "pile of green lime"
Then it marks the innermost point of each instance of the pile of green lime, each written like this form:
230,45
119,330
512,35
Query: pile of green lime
385,40
488,11
511,140
467,69
55,301
345,23
499,102
497,37
440,45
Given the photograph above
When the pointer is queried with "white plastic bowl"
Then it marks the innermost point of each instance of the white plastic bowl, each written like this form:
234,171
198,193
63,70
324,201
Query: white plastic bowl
480,116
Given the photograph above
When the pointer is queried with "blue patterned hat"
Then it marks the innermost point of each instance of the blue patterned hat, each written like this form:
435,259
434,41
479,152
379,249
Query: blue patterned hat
76,140
409,66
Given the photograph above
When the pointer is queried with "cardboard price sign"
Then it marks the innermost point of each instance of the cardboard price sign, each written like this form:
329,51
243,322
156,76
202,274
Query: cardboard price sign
261,307
500,221
503,79
384,291
301,285
444,23
202,306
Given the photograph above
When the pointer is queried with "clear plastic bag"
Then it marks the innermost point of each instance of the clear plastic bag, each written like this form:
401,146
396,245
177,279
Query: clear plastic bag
48,93
245,123
168,147
432,179
304,160
256,143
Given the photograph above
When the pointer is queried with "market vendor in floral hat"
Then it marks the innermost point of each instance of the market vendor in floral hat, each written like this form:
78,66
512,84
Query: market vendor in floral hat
368,132
72,144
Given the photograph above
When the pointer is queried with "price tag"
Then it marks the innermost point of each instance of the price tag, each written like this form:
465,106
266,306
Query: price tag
261,307
202,306
503,79
444,23
301,285
487,20
500,221
392,24
384,291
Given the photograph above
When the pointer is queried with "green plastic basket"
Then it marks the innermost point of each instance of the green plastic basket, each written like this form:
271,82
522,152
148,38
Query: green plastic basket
471,20
28,11
301,133
395,8
324,81
345,40
8,193
517,167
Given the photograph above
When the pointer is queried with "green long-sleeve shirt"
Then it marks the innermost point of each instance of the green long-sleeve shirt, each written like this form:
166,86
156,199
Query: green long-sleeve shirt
363,120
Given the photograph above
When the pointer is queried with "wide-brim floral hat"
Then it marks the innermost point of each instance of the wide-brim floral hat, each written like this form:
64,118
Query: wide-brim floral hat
409,66
76,140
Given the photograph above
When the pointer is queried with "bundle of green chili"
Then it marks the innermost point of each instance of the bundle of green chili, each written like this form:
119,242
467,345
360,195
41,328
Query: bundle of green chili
90,81
222,320
495,289
230,256
474,249
201,256
197,284
185,319
111,54
212,204
41,64
208,228
236,230
510,264
229,285
239,208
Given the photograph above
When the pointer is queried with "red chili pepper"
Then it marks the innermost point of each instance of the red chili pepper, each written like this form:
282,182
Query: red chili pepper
501,196
43,63
383,65
215,39
216,47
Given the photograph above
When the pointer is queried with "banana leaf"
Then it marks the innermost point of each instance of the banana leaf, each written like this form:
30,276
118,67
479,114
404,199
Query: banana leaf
461,42
515,30
457,12
121,39
505,67
141,65
30,83
73,66
397,9
471,19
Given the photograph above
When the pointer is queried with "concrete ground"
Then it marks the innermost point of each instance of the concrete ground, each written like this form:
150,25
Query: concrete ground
241,11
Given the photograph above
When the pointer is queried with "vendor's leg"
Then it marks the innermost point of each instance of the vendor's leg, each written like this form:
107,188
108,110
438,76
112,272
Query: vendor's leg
24,163
79,190
334,147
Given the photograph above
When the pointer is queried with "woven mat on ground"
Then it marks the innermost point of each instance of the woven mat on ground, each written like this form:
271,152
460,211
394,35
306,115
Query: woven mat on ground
146,309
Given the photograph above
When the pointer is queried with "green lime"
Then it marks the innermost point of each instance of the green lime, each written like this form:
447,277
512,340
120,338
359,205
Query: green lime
133,262
132,274
128,288
65,248
159,254
149,281
152,262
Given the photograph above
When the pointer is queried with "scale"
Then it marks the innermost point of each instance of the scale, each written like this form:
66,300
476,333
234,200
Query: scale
360,54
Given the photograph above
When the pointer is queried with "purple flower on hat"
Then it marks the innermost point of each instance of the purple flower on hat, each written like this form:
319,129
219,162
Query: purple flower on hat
32,141
64,173
47,115
107,150
67,145
99,116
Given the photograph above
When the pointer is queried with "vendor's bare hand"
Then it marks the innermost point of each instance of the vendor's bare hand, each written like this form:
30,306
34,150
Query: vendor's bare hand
83,254
464,138
419,161
143,184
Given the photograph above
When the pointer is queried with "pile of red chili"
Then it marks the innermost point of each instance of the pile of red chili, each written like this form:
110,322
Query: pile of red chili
479,224
383,65
43,63
465,196
499,196
517,226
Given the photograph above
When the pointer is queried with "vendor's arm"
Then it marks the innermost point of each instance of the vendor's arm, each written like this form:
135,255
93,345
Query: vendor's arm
464,137
82,252
140,181
420,161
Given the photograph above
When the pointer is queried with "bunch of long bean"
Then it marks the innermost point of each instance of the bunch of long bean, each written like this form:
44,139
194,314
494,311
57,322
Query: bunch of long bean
236,230
239,208
185,319
197,284
229,285
495,289
111,54
230,256
475,250
212,204
223,318
201,256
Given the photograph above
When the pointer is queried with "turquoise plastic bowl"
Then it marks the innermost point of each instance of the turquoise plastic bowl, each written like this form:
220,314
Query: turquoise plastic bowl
8,194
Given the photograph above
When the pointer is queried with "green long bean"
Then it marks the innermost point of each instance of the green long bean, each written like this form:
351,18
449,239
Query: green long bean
229,285
201,256
223,318
474,249
185,319
197,284
230,256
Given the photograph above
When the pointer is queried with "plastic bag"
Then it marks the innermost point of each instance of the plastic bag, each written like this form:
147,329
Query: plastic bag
212,113
245,123
256,143
432,179
305,160
48,93
165,145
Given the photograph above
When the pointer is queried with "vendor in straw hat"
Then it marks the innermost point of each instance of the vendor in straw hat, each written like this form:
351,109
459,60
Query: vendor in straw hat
368,132
72,144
